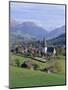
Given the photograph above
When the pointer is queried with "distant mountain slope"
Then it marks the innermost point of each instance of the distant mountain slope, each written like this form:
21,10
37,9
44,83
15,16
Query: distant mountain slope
29,28
29,31
60,40
55,33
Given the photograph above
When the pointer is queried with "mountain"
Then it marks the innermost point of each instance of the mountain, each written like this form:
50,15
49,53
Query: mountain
30,29
56,32
60,40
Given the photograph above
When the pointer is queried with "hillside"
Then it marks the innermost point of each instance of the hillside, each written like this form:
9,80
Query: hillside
60,40
29,28
56,32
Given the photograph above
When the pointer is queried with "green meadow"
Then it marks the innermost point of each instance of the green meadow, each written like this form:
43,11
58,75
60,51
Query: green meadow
22,77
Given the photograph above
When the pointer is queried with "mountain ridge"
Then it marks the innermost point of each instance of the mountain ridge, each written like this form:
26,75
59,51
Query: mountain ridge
31,29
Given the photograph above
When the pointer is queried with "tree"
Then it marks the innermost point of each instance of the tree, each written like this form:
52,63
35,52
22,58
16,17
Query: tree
17,62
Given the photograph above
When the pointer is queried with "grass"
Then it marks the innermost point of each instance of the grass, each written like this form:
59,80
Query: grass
20,77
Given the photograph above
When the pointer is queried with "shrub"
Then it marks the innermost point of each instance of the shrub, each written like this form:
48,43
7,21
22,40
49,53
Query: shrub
35,66
58,67
17,62
23,65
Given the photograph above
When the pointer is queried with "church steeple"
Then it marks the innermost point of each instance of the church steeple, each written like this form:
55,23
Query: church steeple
44,43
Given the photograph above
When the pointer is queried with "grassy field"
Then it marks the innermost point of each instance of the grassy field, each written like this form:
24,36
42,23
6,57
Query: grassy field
21,77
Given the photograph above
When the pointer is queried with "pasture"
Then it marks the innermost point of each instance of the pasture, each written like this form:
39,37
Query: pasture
22,77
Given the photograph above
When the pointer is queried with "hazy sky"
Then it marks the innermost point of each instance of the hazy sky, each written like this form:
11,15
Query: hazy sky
46,15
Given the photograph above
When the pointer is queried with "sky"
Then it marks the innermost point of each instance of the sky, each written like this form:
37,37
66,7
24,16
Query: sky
48,16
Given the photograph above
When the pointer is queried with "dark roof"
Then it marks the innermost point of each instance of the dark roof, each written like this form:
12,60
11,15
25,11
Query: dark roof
50,49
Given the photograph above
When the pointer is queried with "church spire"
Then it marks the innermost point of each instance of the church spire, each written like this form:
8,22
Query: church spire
44,43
